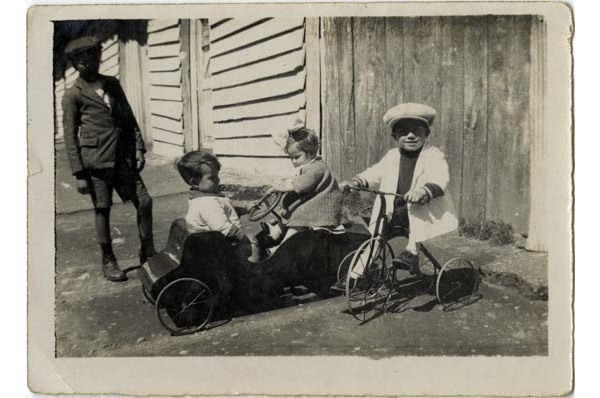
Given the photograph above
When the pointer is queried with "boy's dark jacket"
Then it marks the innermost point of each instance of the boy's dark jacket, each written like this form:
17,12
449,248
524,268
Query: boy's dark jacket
93,132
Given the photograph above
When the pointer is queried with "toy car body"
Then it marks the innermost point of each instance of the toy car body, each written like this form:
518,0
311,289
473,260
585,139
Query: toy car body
199,273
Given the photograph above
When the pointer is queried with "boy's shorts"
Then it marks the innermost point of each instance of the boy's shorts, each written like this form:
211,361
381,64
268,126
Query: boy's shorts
125,180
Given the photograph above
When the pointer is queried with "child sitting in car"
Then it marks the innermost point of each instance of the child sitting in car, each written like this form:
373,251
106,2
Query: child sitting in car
208,209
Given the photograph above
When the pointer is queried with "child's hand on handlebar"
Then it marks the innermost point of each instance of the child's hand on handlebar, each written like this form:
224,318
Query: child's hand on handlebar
346,186
270,191
419,196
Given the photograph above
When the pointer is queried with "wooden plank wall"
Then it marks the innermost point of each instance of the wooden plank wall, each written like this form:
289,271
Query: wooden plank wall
258,79
475,71
537,238
165,86
132,58
59,92
337,97
508,110
109,64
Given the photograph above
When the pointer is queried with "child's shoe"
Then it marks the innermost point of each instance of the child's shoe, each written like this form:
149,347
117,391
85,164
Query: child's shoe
111,270
259,254
263,238
409,261
339,286
361,283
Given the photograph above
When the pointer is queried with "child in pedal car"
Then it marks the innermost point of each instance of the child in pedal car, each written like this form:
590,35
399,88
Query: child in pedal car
312,198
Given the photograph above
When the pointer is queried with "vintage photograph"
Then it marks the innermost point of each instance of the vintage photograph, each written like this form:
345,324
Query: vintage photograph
284,184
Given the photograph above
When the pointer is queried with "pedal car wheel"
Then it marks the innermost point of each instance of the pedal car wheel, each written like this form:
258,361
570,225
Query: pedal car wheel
456,284
185,306
367,290
148,296
264,206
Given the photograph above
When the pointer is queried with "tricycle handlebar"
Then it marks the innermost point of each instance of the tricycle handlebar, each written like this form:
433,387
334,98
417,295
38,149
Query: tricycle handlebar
376,192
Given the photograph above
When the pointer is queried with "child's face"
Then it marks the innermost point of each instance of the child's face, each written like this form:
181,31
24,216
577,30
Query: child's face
209,182
298,156
87,63
410,134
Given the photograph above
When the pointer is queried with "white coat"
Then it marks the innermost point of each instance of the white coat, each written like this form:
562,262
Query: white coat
438,216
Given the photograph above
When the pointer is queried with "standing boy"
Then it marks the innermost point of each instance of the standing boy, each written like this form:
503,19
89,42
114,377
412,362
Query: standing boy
105,149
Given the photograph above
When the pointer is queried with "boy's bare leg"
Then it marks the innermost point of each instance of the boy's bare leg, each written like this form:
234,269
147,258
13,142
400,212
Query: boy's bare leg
411,246
143,205
110,268
102,220
256,253
288,231
410,256
276,230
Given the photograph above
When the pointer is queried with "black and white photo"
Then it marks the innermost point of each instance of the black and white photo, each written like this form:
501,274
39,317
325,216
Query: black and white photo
366,191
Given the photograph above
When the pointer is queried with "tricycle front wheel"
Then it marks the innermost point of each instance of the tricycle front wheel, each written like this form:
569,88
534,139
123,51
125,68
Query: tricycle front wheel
367,287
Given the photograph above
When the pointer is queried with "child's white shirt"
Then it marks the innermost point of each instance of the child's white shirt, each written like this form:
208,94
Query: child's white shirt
426,221
213,213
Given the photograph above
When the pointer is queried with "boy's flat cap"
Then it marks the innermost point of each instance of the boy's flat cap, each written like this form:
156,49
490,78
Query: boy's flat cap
81,44
409,110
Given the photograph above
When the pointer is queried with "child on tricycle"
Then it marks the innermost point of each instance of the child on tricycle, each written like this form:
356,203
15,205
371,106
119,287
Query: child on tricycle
417,171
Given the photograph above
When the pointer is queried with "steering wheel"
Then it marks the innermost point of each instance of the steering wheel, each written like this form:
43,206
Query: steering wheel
265,205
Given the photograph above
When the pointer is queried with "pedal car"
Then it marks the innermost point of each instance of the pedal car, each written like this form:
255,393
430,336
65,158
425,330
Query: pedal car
199,274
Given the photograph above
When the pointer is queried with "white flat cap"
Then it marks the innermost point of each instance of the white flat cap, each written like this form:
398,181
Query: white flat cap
409,110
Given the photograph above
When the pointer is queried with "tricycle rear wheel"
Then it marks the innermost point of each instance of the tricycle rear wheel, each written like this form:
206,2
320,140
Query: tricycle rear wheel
456,284
342,271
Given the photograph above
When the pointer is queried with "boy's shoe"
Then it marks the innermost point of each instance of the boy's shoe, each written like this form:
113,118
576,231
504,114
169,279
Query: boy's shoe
409,261
361,283
264,240
111,270
339,286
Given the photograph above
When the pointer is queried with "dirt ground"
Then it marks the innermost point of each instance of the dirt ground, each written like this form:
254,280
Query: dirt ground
94,317
99,318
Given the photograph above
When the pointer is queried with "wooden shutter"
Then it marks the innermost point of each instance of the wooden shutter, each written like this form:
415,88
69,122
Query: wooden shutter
59,92
258,79
164,77
109,63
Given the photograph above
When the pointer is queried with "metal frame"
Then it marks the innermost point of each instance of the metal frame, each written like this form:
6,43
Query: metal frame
389,280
